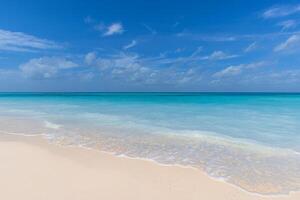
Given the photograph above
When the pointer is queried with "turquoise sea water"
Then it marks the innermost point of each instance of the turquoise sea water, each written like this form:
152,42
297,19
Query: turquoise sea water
251,140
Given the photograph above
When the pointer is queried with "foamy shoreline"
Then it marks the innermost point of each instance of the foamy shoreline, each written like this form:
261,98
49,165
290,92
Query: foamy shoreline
34,169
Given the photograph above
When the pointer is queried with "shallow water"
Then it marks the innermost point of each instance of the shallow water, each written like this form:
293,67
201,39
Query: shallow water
250,140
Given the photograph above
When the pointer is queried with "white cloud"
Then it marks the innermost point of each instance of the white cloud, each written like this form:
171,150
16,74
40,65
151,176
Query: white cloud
106,30
46,67
90,58
190,60
130,45
120,63
116,61
197,52
284,78
195,56
218,55
287,24
18,41
113,29
286,75
237,69
134,68
192,75
251,47
236,37
207,38
229,71
281,11
185,60
291,42
129,67
255,65
150,29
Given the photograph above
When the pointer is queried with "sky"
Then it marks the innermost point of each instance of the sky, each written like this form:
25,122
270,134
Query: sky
144,46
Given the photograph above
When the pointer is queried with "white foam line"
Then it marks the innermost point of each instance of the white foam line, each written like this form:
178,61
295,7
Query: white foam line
215,138
222,180
20,134
52,125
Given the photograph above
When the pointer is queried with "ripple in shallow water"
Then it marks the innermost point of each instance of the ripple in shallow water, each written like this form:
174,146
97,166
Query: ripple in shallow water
252,167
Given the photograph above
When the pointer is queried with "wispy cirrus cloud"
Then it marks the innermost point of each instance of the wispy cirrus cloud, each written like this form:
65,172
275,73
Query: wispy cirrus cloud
193,59
22,42
150,29
235,37
290,43
218,55
130,45
287,24
251,47
237,69
286,75
208,38
281,11
229,71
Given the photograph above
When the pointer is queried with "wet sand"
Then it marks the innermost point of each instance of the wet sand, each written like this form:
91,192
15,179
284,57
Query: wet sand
33,169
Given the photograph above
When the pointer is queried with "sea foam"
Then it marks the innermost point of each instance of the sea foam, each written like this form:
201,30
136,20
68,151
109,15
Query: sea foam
249,140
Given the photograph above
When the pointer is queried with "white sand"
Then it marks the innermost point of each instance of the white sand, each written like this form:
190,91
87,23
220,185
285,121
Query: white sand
32,169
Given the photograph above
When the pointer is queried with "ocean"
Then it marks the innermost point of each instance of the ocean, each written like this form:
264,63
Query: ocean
251,140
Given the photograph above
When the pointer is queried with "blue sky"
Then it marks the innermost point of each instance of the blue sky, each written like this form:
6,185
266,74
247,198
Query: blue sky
149,46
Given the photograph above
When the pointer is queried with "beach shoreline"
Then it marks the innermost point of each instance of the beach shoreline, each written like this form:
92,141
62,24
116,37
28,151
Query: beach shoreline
35,169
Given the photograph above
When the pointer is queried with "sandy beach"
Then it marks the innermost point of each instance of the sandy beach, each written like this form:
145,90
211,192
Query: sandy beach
33,169
150,100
